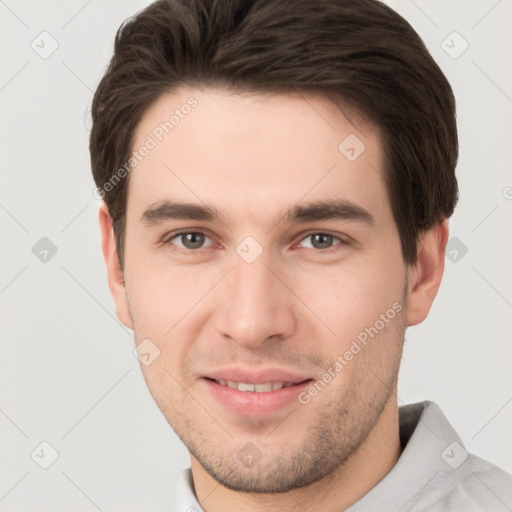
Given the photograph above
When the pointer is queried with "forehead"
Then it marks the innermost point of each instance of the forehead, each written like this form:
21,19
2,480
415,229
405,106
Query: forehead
242,151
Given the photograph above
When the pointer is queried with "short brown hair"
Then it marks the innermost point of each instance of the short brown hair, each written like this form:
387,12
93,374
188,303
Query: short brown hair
357,52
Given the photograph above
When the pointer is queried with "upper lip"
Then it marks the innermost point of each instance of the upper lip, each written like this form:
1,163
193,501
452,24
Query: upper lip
256,376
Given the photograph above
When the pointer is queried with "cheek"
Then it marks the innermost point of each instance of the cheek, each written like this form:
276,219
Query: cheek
168,307
159,294
351,298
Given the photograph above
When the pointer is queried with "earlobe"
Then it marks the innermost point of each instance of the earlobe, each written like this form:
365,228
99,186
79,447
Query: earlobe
425,276
114,272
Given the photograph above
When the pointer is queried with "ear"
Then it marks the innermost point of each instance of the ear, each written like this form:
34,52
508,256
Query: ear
425,276
114,272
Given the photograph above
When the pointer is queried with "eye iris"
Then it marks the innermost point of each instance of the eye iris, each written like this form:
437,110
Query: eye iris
321,241
192,240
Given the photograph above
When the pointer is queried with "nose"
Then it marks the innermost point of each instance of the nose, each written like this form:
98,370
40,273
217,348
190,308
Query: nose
255,304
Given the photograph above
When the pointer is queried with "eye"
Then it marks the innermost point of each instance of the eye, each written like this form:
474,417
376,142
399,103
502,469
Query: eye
190,240
320,241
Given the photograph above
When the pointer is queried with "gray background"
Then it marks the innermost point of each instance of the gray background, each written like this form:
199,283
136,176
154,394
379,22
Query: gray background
68,375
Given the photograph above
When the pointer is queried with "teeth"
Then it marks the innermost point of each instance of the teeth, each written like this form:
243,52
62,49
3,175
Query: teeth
258,388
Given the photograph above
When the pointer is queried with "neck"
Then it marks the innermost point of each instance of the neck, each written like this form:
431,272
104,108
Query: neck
343,487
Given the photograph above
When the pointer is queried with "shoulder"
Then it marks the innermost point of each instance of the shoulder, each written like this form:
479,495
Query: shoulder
475,486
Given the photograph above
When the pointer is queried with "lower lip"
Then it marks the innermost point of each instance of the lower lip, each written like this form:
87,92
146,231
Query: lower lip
253,403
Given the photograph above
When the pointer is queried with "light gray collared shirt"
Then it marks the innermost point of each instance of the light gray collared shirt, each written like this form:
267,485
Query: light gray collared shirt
434,473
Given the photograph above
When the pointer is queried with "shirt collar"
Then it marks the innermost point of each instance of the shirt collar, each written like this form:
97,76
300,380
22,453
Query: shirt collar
427,438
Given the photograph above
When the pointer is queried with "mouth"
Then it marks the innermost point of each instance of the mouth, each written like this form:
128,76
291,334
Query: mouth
250,399
264,387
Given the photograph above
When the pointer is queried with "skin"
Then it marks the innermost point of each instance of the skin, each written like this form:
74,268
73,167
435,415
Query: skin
298,306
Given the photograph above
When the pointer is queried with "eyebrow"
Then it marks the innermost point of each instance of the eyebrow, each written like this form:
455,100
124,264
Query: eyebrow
168,210
338,209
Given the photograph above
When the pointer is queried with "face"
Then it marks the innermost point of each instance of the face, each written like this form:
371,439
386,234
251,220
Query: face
263,274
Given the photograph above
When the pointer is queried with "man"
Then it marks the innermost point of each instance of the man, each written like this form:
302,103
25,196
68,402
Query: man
277,180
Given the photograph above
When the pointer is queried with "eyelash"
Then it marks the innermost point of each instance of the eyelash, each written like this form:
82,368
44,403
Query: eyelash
342,241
